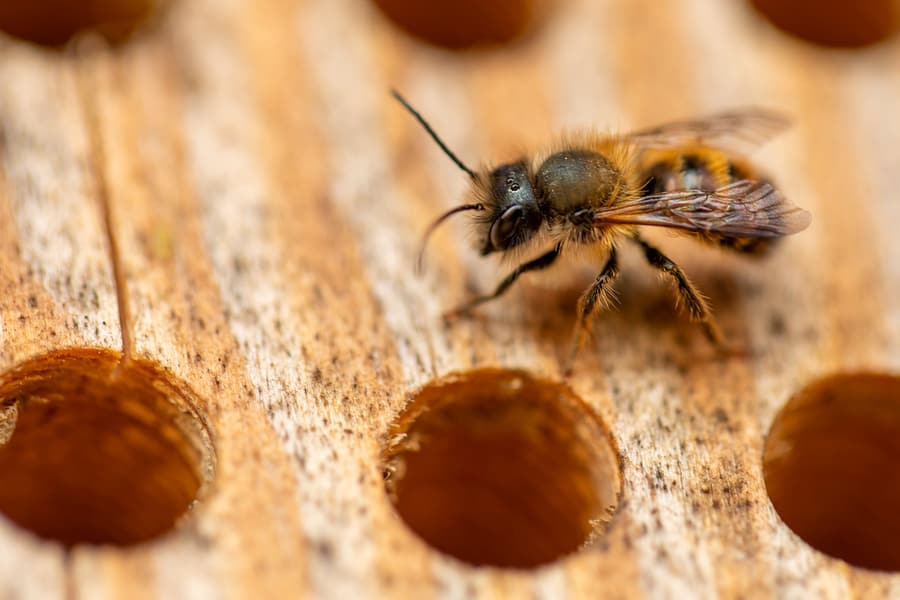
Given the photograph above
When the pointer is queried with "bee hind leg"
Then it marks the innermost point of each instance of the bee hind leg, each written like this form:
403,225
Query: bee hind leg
599,293
541,262
688,295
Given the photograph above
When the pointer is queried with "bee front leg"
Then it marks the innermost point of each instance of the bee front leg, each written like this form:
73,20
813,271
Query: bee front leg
541,262
598,293
688,294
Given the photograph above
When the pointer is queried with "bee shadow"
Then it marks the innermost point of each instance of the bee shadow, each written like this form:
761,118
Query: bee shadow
646,305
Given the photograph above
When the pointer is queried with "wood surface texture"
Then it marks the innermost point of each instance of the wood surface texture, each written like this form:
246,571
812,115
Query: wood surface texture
266,196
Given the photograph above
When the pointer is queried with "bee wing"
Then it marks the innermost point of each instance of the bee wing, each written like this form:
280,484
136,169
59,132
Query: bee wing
744,208
740,130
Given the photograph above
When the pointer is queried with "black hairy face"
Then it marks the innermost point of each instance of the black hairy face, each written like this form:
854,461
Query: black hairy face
513,215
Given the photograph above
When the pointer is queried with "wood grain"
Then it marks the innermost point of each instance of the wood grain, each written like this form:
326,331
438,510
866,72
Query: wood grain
266,195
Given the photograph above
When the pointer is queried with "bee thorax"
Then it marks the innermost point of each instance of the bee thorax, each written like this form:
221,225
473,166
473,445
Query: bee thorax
574,179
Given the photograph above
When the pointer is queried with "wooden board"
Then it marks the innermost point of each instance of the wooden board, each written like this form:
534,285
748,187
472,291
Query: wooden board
266,196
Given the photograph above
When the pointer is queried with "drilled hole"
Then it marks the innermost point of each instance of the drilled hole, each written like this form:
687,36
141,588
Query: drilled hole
498,468
465,23
834,22
95,455
831,468
55,22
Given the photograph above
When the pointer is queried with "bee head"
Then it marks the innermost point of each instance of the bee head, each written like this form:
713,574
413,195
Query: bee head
512,214
508,212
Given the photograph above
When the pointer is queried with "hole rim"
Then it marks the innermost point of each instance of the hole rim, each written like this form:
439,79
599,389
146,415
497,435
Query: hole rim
184,414
603,444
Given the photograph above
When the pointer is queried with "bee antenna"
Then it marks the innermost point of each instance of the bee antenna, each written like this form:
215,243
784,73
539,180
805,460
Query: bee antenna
420,257
433,134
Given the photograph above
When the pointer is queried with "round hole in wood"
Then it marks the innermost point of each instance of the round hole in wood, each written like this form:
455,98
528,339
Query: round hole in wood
834,22
55,22
500,468
92,452
465,23
831,467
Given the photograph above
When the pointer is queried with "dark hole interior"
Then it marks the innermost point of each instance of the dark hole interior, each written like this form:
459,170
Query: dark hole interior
498,468
465,23
834,22
832,468
97,455
55,22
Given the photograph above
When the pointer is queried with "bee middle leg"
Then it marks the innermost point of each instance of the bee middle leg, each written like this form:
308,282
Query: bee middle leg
598,293
691,298
541,262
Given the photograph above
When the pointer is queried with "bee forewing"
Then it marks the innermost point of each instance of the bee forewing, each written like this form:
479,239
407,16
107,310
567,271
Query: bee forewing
742,209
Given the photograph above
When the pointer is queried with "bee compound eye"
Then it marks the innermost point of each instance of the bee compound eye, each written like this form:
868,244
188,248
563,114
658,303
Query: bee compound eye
504,227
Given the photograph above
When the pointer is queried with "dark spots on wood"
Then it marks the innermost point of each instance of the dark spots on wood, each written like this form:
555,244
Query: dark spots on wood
721,416
664,427
659,480
203,540
325,548
777,325
32,301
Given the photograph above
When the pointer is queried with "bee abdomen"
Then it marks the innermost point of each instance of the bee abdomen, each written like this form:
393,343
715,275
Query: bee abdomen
746,245
704,169
689,171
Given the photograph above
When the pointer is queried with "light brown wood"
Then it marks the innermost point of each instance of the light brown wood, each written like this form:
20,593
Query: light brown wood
266,196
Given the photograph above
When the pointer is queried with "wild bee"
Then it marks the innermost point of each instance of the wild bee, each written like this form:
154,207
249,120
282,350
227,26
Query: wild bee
592,191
